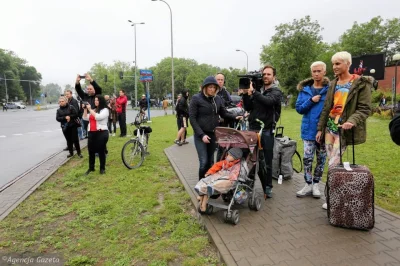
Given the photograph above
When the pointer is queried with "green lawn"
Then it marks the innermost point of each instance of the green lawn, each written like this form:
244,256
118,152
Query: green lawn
379,153
125,217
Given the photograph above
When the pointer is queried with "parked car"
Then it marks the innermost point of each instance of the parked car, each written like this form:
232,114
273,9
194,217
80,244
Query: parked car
11,106
20,105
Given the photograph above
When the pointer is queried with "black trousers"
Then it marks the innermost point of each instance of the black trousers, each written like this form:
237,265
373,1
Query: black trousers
71,136
97,141
122,123
111,124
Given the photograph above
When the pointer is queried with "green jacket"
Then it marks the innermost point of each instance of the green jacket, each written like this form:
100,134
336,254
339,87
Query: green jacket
356,110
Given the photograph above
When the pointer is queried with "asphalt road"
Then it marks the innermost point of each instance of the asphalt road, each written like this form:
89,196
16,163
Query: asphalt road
28,137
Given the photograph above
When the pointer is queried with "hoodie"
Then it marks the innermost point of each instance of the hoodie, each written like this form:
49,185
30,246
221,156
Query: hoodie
310,110
265,106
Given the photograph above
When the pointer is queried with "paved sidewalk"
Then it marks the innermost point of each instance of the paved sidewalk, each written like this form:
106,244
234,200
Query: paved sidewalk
288,230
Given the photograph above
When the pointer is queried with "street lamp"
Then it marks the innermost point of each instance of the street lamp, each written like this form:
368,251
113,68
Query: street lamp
172,58
396,58
237,50
133,25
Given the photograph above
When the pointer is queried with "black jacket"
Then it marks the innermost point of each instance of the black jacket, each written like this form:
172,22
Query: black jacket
204,113
182,108
143,103
76,105
265,106
224,94
85,97
64,111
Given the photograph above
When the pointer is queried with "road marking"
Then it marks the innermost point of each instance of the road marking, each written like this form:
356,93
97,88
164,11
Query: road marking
2,136
47,131
18,134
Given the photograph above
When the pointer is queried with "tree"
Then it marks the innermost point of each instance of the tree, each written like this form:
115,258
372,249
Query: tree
374,36
292,49
53,92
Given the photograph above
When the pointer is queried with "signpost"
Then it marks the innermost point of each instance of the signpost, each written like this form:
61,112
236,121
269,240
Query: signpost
147,76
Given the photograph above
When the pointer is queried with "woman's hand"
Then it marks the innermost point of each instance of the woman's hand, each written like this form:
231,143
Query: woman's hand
347,125
239,117
318,137
68,118
206,139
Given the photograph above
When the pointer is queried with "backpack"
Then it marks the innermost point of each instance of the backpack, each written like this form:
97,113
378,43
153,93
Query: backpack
284,150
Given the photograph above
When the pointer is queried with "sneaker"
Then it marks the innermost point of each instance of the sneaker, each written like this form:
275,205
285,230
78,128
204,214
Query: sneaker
70,155
185,142
268,192
315,191
178,142
325,206
306,191
65,149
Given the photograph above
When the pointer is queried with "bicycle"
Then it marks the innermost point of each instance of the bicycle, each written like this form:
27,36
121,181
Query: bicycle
134,150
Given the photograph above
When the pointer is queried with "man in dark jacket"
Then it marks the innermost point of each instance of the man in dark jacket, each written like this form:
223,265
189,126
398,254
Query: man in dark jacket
264,105
92,89
182,116
222,91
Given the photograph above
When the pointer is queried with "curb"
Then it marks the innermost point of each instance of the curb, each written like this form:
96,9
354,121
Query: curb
223,252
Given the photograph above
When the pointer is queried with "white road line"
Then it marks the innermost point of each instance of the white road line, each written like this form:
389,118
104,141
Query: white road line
47,131
2,136
18,134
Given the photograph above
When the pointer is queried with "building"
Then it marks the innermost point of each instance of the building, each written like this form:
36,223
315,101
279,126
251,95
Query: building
386,84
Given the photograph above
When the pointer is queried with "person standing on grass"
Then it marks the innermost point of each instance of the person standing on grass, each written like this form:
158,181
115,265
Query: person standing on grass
182,115
98,132
165,106
121,102
348,103
112,118
204,111
312,94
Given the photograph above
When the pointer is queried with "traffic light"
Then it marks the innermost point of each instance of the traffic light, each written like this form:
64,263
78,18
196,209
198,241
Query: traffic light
105,78
121,75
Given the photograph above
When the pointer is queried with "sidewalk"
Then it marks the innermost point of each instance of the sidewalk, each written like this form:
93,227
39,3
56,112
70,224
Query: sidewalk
288,230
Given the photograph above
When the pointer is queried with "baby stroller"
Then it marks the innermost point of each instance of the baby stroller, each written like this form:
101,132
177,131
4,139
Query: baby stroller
243,189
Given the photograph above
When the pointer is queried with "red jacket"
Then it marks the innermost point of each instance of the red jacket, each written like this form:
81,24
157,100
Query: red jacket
121,104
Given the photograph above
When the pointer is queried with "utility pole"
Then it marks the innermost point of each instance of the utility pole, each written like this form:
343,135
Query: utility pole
5,82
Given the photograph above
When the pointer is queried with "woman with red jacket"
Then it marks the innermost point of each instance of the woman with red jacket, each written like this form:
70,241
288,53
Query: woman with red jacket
121,102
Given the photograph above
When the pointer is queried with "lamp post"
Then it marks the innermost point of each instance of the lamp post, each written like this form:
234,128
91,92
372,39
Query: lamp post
396,58
5,82
172,58
134,27
247,68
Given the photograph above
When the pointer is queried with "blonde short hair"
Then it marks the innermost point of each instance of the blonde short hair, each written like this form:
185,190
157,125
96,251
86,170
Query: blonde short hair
345,56
318,63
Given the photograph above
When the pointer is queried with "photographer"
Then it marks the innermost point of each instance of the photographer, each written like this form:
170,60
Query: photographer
92,89
264,104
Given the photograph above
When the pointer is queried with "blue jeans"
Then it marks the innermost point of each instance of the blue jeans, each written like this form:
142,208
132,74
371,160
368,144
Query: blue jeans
81,130
205,152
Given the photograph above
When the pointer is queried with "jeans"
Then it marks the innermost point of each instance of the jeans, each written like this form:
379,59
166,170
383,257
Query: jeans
122,123
205,152
111,124
81,130
85,125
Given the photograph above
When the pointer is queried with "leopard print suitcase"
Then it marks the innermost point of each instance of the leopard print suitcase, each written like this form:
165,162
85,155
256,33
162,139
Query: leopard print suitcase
350,197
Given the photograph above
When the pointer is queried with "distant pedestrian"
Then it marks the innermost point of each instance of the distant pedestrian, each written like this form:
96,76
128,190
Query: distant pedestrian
4,107
98,133
66,115
383,101
112,118
165,106
92,89
121,103
182,116
143,107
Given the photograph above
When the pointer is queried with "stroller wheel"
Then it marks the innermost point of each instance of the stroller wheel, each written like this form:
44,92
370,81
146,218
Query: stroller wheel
257,204
251,203
235,217
209,209
227,216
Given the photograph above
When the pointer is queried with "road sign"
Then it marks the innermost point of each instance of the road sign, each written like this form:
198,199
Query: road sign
37,102
146,72
146,78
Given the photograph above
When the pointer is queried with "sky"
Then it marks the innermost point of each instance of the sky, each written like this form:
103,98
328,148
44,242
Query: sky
65,38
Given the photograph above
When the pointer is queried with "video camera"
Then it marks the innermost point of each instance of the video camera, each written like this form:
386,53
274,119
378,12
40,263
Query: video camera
255,77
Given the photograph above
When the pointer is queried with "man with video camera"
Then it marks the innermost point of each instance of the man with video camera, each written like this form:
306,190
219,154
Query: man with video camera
264,104
92,89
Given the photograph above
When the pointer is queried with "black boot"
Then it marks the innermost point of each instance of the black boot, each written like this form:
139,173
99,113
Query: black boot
88,171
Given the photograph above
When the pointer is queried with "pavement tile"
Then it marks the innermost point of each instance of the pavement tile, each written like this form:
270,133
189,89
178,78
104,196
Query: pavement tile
260,260
300,252
244,253
393,243
377,247
382,258
302,261
282,246
388,234
281,257
262,250
395,254
362,262
243,262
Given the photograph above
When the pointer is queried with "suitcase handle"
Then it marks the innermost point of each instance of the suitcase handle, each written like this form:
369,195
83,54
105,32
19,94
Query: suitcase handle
340,145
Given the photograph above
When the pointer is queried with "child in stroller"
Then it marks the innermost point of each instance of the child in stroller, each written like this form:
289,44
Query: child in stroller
220,178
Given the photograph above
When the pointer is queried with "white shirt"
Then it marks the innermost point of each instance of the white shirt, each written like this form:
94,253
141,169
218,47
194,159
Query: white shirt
101,119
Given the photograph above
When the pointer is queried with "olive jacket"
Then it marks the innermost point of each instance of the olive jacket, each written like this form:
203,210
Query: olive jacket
356,110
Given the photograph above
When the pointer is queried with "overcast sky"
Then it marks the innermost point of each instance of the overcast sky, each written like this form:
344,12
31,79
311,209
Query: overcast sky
63,38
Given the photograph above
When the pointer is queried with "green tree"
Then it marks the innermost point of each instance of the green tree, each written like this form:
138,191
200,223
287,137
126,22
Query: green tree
371,37
53,92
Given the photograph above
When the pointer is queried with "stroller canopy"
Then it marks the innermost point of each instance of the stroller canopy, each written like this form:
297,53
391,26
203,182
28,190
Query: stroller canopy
229,138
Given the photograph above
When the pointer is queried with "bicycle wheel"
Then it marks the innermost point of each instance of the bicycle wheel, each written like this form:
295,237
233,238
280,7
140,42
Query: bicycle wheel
132,154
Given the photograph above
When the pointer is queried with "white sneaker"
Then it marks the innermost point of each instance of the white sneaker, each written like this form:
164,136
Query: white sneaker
325,206
306,191
315,191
